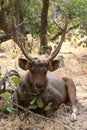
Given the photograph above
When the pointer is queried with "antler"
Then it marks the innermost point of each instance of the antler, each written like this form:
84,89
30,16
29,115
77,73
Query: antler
25,52
56,51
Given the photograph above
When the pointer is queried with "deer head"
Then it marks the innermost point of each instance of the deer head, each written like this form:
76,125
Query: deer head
37,75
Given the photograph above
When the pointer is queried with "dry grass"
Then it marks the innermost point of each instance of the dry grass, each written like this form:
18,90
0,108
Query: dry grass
61,119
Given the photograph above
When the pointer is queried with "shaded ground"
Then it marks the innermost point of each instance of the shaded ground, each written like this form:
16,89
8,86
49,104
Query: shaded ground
61,119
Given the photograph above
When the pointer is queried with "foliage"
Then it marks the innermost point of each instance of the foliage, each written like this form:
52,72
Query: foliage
16,80
75,9
31,11
6,106
48,106
5,97
9,10
38,103
31,14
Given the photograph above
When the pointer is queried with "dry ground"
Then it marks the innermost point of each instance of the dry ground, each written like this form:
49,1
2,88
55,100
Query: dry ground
61,119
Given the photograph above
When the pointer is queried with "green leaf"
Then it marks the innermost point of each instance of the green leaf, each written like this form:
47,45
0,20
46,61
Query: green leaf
33,101
10,109
16,80
39,102
33,106
6,95
48,106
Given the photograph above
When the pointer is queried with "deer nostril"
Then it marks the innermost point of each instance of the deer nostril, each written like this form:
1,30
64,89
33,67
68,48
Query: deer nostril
39,85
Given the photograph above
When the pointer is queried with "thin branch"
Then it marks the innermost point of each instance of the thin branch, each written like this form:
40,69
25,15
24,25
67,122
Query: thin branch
69,53
59,33
24,109
19,25
56,51
20,42
6,78
57,24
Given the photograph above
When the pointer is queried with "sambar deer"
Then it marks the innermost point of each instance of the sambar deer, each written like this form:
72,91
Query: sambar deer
38,81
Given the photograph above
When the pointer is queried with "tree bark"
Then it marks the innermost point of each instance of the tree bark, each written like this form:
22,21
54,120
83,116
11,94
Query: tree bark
17,13
44,14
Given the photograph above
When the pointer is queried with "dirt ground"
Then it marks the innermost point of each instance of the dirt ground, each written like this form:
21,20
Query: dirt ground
74,68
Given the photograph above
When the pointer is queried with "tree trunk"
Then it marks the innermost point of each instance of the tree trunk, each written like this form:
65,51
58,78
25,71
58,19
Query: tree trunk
17,12
3,24
18,15
44,14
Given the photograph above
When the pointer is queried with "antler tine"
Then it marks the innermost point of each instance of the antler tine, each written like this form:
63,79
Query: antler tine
25,52
56,51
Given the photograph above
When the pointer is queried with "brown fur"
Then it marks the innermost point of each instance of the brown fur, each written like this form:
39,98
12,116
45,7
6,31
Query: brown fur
38,81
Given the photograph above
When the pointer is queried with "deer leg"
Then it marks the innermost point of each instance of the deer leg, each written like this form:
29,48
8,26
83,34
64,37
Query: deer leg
71,89
53,97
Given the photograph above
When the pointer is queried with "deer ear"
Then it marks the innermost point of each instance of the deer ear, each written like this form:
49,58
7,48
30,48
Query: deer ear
53,65
23,64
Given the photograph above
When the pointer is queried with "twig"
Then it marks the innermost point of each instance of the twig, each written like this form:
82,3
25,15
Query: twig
57,24
6,78
8,100
69,53
24,109
20,24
